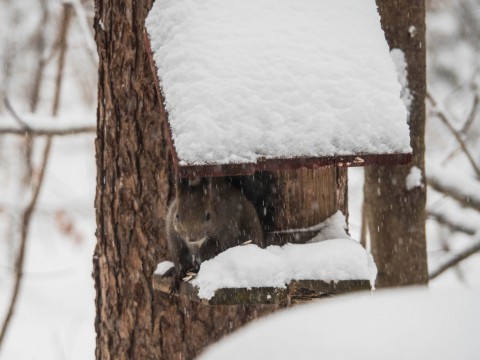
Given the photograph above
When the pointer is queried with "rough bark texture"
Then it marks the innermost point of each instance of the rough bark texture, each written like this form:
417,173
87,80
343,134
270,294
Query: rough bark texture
395,216
133,188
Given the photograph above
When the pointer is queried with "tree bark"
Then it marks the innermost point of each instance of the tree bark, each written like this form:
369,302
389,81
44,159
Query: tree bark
133,188
396,216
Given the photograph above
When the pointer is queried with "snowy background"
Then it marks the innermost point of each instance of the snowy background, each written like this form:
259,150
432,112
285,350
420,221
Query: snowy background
55,313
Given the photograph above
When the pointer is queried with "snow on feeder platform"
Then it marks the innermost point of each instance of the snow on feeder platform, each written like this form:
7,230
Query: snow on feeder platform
248,85
330,263
276,275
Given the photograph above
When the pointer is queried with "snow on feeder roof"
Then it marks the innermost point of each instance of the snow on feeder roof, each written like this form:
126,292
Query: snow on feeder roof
267,84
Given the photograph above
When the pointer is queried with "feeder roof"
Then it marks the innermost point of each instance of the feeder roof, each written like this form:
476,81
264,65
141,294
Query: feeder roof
253,84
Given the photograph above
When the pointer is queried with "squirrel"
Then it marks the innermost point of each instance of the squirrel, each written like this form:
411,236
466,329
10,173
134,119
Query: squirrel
206,217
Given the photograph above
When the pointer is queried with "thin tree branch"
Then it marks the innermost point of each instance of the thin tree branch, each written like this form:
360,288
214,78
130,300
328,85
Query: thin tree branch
452,225
15,115
445,119
49,132
28,142
64,27
456,259
454,193
466,126
26,217
84,27
27,130
40,41
471,115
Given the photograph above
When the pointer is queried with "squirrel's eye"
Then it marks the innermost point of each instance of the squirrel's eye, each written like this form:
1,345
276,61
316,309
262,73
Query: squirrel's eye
207,216
177,217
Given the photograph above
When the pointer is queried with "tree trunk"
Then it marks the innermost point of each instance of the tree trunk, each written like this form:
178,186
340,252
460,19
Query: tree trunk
133,188
396,216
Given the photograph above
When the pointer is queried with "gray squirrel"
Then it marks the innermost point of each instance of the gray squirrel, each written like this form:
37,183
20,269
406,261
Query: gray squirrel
208,216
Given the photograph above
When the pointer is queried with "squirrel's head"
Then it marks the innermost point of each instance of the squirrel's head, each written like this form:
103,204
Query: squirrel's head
195,217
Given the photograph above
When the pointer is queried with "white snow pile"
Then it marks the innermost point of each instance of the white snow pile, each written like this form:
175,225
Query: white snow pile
250,266
163,267
395,325
335,227
414,178
245,80
398,57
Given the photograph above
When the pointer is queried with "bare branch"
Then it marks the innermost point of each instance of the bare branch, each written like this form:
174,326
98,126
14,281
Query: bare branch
27,214
64,27
454,192
466,126
452,225
84,26
445,119
40,41
28,142
456,259
49,132
26,217
15,115
471,115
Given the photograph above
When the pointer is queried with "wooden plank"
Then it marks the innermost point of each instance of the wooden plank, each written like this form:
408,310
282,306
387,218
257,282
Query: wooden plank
296,291
230,296
305,290
190,171
236,169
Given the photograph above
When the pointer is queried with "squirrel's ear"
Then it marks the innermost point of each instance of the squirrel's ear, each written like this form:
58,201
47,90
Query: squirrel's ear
194,181
210,184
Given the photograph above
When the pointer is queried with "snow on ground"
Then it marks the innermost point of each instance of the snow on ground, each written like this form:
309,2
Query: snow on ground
250,266
390,324
250,79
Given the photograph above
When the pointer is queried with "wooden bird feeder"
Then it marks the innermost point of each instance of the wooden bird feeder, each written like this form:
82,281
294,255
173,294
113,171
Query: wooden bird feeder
250,86
245,88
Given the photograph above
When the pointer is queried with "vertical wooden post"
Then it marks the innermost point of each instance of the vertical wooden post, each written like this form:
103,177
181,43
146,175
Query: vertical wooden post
306,197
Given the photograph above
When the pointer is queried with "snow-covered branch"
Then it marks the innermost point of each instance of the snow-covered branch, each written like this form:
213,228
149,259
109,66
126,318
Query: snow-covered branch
84,27
445,118
457,258
49,132
453,225
467,194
